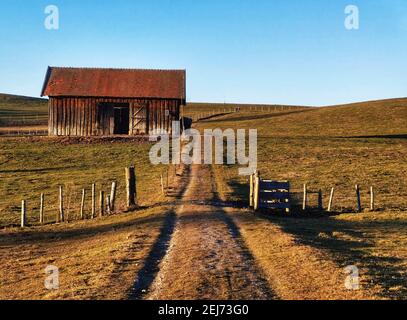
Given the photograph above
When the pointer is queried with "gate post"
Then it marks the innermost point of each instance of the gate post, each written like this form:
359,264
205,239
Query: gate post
304,199
251,200
359,205
256,191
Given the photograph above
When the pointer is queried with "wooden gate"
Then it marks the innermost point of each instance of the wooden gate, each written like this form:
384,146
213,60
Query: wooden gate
269,194
139,119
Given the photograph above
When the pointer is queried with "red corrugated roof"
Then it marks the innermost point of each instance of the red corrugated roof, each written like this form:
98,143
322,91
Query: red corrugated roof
117,83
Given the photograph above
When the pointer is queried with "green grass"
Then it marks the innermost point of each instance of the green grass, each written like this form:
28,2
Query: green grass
22,111
337,147
194,109
377,118
30,167
324,163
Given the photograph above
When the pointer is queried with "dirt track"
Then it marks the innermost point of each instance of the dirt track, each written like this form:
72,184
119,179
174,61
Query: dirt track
207,258
210,252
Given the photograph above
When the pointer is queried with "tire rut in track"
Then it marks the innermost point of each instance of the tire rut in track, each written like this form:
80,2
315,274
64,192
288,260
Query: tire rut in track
206,257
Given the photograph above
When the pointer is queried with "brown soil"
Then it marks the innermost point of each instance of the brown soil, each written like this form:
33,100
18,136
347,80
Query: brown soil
228,253
207,258
202,251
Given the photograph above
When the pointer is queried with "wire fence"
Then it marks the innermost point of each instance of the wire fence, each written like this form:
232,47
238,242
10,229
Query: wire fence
203,113
107,199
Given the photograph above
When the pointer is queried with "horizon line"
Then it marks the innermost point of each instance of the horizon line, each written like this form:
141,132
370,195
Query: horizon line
244,103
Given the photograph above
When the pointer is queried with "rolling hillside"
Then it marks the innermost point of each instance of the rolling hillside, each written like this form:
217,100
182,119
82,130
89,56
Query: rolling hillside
318,146
330,147
373,118
22,111
339,145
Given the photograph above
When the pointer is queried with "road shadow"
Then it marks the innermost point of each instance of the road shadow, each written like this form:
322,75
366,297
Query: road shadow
347,242
38,170
234,231
79,231
151,267
386,136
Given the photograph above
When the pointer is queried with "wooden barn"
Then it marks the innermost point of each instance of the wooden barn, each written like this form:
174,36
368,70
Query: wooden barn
105,102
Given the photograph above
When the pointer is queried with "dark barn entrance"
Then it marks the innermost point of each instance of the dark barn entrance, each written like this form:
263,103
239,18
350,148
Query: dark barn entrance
114,118
121,112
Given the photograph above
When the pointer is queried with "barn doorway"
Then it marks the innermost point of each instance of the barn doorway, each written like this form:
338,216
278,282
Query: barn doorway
121,114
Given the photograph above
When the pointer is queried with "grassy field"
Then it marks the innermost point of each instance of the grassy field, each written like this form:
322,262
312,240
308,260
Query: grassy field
324,147
376,119
97,258
31,166
197,111
16,111
331,147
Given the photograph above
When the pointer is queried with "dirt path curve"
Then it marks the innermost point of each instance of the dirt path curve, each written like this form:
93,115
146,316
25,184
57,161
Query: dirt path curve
207,258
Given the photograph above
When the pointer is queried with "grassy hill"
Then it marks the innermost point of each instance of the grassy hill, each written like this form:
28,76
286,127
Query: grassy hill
22,111
340,146
373,118
206,106
202,110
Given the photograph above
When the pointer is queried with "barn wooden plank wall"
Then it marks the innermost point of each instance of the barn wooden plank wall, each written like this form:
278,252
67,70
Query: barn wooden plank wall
71,116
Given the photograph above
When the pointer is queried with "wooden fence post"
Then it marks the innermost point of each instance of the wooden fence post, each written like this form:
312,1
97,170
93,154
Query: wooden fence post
102,203
372,199
331,198
320,204
131,187
113,196
23,214
305,195
108,208
251,199
162,185
256,199
42,209
93,201
61,204
359,206
83,204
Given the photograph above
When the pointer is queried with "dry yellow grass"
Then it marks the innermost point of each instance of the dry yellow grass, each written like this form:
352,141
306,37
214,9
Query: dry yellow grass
301,258
97,259
336,146
380,119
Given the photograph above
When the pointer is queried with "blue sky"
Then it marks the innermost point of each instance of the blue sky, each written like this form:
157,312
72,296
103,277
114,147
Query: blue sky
264,51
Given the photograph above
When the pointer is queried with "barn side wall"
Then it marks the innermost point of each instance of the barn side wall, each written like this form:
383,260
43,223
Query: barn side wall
71,116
